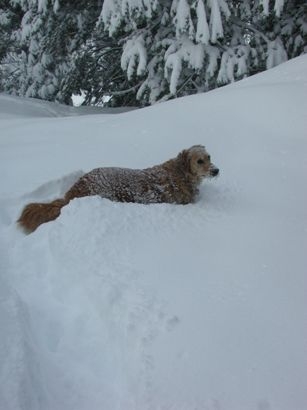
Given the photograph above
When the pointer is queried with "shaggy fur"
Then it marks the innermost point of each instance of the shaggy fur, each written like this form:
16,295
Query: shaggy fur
175,181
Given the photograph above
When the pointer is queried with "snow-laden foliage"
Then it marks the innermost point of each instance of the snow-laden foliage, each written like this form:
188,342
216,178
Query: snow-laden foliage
143,51
197,45
10,18
48,35
134,57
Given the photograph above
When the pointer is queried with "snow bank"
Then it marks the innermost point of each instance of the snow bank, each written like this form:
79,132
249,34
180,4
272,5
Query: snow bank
125,306
20,107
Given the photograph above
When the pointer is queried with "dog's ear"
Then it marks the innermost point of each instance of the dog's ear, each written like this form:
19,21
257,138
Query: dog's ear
184,160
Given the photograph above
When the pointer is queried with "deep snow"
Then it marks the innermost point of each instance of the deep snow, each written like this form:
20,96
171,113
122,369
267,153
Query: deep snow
126,306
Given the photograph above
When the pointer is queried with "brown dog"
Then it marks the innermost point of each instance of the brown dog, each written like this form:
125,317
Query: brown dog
175,181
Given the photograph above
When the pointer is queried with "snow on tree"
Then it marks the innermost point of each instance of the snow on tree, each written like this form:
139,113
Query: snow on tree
196,45
134,55
216,25
48,35
10,18
143,51
202,29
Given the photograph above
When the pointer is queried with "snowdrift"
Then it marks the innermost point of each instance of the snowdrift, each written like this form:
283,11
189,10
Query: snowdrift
126,306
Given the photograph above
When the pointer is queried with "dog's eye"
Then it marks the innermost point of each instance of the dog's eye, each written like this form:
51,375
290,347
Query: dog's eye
200,161
209,158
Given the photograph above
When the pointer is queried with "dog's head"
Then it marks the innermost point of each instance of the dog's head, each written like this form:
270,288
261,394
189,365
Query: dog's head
197,162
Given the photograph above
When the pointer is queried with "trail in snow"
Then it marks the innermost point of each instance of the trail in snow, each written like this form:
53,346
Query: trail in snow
110,290
108,293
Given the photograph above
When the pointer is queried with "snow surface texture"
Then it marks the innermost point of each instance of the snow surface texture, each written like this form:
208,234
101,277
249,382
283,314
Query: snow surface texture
11,107
136,307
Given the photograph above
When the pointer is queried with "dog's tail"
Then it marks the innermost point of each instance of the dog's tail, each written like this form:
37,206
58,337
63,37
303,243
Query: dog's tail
36,214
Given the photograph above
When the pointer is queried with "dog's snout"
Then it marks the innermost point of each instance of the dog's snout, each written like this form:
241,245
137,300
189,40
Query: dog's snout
215,172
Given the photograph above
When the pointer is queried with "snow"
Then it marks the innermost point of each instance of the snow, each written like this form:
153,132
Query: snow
173,65
17,108
216,25
279,4
42,6
277,54
265,5
134,54
183,20
111,15
202,32
56,6
129,306
185,51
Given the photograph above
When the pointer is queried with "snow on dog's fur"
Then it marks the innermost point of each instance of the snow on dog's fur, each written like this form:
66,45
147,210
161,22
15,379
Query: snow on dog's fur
175,181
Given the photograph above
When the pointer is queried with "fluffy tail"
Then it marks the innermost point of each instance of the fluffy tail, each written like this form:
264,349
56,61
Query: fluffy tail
35,214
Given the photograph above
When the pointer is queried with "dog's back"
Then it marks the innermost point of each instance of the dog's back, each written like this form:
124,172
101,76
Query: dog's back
126,185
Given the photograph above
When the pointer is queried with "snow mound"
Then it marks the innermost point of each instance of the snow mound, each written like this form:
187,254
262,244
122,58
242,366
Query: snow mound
21,107
11,107
129,306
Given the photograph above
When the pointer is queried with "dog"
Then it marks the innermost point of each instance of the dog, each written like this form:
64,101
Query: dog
175,181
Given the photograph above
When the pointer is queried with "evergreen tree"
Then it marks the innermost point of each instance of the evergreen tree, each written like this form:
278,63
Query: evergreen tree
49,34
181,47
10,19
142,51
96,71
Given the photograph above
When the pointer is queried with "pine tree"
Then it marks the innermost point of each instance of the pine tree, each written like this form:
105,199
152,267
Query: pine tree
10,19
49,34
179,47
142,51
96,71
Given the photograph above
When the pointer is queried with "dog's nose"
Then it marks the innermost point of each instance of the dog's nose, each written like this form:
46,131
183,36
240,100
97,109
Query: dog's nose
215,172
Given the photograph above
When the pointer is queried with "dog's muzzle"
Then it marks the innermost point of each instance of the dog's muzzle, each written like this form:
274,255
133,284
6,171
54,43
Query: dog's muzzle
214,171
